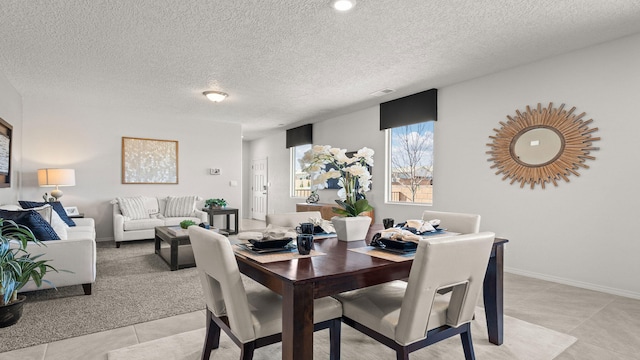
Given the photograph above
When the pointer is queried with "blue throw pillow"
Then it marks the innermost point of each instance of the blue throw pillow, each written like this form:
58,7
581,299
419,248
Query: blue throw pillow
31,219
57,206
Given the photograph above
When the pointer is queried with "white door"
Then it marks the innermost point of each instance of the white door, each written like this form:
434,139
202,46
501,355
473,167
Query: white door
259,189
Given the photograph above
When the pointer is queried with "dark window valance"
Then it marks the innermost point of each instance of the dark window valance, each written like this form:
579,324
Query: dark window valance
300,135
408,110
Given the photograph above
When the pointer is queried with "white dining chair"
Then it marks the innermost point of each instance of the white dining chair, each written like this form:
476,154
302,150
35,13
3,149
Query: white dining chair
455,222
253,318
291,219
407,316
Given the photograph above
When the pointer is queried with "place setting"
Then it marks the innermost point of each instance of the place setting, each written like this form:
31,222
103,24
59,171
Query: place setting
278,244
399,242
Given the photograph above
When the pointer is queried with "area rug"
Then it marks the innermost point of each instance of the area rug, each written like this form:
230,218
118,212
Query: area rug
133,285
523,341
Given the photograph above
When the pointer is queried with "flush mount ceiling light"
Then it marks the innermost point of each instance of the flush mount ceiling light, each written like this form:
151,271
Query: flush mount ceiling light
343,5
215,96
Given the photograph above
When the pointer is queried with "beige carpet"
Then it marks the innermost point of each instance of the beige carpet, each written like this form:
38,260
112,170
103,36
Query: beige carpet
523,341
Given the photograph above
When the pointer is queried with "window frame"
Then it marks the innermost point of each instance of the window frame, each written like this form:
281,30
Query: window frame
293,164
388,196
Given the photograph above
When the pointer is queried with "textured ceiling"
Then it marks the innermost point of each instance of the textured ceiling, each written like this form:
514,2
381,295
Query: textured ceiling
283,61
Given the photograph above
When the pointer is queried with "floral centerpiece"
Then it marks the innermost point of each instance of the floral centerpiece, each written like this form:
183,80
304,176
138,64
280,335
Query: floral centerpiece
352,173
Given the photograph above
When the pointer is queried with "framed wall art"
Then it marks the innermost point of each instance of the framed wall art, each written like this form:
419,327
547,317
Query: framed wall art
6,131
149,161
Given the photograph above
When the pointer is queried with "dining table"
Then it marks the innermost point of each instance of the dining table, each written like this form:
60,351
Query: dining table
335,266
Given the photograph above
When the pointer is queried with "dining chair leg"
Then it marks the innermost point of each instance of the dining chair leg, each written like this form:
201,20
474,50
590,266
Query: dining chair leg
212,337
334,339
246,352
467,344
402,353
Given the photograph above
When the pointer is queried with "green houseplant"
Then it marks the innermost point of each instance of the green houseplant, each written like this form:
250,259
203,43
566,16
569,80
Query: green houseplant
17,267
210,203
186,223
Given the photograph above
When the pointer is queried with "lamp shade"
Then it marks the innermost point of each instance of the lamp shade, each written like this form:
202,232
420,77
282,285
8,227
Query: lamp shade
56,177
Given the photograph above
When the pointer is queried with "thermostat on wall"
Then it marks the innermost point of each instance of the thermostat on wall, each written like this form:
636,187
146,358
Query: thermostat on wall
214,171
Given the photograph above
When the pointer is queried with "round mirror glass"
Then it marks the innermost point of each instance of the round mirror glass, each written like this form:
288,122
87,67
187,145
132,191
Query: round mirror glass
537,146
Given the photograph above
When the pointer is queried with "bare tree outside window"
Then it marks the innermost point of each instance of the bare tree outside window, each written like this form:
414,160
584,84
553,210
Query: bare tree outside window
411,165
301,181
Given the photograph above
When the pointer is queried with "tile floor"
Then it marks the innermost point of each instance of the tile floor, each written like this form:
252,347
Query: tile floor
607,326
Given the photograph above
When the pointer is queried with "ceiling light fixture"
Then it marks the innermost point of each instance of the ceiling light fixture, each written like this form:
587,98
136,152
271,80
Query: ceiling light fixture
343,5
215,96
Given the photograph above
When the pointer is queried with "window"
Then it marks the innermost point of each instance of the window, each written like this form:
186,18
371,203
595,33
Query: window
410,167
300,180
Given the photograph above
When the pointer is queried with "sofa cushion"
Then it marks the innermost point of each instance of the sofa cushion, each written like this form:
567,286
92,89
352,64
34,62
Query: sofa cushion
85,229
142,224
173,221
81,234
51,216
58,225
30,218
180,206
151,206
133,208
57,206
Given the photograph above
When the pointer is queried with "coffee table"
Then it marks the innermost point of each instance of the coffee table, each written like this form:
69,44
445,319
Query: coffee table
178,255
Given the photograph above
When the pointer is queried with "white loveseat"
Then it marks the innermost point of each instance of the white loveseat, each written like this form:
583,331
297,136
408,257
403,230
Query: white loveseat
142,214
75,253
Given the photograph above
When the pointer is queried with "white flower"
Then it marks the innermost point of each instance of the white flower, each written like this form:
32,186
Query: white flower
320,149
344,168
367,154
357,170
333,174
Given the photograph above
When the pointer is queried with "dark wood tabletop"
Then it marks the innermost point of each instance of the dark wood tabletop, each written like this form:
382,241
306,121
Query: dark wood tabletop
299,281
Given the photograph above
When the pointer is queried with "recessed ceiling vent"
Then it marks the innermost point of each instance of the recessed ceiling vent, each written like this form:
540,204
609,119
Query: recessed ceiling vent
382,92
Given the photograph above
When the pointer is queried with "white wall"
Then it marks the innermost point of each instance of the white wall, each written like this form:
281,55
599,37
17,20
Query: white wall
11,112
86,134
582,232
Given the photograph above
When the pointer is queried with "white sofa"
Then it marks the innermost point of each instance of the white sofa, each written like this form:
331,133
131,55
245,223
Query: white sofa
76,255
128,228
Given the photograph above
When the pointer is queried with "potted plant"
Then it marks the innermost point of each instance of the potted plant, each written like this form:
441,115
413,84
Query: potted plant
186,223
354,180
17,267
211,203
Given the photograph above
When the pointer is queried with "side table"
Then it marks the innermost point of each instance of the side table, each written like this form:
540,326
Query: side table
228,212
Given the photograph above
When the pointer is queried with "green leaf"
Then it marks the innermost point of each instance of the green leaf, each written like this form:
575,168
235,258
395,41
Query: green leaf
350,210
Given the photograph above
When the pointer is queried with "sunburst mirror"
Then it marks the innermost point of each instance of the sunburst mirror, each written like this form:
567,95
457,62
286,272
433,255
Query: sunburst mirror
542,145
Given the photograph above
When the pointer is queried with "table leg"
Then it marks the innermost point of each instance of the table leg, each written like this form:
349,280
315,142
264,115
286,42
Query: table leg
157,244
297,322
493,296
228,224
235,217
174,256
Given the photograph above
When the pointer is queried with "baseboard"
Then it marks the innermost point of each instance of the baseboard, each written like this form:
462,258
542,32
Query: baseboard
104,239
580,284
